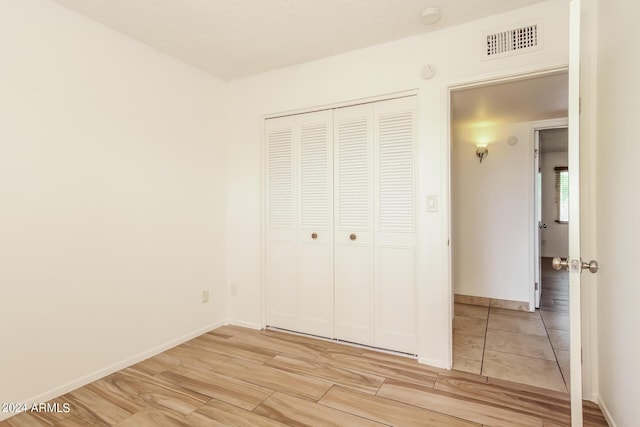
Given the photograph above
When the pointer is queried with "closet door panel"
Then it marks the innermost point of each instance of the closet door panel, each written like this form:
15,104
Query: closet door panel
395,231
396,326
353,175
281,272
354,294
282,293
316,224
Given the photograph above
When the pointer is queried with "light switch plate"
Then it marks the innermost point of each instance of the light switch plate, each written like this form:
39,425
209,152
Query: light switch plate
432,203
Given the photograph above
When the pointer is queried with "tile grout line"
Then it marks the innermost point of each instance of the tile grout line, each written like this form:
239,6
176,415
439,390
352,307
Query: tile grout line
484,346
554,352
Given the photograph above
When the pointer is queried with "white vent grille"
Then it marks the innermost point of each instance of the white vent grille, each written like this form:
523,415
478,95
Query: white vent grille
353,174
396,173
315,176
512,41
280,178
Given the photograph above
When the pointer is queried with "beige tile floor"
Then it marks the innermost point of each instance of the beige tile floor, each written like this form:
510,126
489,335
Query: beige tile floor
529,348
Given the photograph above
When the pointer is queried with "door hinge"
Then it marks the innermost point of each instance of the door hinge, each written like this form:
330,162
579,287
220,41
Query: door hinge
536,286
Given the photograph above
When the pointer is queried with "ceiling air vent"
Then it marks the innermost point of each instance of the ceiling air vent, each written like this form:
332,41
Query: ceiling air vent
513,41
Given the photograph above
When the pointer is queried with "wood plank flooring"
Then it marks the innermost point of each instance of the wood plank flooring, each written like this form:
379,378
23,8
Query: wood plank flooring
239,377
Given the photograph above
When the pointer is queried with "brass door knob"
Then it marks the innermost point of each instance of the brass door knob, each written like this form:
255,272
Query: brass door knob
353,236
314,236
592,266
558,263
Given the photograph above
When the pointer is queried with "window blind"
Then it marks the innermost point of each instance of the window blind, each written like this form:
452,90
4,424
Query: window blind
562,194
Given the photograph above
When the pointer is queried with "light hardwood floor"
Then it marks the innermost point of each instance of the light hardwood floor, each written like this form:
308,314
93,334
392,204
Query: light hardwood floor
240,377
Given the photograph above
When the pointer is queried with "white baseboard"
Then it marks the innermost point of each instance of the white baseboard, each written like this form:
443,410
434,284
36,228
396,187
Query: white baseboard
606,413
433,362
242,323
101,373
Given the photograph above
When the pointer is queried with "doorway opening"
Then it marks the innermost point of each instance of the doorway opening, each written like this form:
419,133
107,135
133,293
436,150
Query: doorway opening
497,331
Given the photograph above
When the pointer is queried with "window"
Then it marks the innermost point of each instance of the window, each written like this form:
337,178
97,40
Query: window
562,194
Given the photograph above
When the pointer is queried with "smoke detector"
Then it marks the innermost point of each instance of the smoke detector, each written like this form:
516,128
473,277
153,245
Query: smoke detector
430,15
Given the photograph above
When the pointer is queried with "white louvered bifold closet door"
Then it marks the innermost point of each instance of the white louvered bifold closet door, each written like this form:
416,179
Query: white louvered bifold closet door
341,236
353,176
395,237
299,238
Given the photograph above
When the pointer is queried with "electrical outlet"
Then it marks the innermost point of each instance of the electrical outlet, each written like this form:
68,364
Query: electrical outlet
234,289
205,296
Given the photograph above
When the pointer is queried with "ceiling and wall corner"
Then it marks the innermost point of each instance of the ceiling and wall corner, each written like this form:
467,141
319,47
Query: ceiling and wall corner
232,39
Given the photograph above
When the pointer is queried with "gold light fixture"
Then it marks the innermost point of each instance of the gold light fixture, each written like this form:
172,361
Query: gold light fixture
481,152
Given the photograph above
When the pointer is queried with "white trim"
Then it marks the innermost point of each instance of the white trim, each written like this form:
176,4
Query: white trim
605,412
351,103
504,77
108,370
263,221
447,222
243,324
433,362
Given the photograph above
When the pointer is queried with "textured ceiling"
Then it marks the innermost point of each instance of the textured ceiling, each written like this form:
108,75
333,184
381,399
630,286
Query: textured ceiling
554,140
236,38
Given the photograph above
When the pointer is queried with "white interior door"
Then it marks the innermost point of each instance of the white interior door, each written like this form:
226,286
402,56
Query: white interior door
281,271
538,220
353,202
299,240
574,259
315,235
395,232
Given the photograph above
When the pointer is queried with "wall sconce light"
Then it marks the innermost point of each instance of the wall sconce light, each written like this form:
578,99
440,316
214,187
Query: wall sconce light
482,151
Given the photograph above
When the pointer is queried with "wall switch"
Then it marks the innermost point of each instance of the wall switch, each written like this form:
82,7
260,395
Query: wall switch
233,289
432,203
205,296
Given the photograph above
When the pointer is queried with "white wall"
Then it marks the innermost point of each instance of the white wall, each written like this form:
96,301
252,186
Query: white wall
555,238
456,54
113,200
618,210
492,204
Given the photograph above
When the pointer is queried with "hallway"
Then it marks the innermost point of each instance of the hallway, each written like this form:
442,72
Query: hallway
529,348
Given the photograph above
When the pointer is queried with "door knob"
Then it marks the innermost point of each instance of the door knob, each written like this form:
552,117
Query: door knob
353,236
314,236
591,265
558,263
541,225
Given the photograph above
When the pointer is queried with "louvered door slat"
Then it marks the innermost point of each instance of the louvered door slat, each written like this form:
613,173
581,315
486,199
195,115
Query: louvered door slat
316,182
396,180
353,141
280,178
